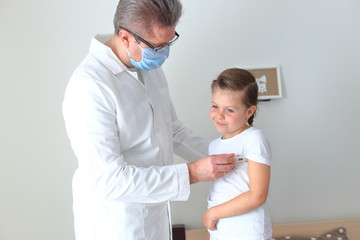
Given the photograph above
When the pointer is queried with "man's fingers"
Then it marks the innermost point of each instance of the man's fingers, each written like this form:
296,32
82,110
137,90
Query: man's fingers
224,168
224,159
223,164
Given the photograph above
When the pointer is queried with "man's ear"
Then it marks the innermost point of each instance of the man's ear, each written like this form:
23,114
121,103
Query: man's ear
124,37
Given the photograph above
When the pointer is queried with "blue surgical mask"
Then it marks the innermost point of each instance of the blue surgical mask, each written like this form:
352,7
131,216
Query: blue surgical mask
150,59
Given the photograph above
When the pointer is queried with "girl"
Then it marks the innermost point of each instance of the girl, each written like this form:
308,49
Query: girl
237,204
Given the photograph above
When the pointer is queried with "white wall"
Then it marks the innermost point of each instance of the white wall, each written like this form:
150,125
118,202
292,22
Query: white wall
313,130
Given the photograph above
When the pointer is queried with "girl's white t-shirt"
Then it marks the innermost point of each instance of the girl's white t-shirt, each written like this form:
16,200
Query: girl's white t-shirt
255,225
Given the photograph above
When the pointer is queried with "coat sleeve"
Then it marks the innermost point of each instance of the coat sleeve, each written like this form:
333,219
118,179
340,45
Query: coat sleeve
90,121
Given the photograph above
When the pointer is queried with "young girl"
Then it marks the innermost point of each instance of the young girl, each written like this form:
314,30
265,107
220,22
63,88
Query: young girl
238,206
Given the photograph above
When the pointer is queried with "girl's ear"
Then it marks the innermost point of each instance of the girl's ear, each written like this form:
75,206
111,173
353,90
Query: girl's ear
251,110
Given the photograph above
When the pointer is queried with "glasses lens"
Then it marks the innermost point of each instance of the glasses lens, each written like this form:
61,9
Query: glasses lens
168,44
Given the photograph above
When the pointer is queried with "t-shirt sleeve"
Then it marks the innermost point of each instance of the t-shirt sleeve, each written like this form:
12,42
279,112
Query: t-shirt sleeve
258,148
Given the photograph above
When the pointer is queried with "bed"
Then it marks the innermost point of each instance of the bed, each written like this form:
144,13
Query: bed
348,229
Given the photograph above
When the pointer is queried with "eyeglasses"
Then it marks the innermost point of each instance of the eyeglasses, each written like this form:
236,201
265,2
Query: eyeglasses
155,49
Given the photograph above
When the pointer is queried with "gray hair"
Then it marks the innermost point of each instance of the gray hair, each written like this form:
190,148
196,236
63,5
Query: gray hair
141,16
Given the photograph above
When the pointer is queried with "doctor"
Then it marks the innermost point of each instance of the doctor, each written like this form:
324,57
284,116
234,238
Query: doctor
123,130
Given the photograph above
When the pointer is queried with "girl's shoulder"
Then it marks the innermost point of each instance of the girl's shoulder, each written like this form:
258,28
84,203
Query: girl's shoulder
253,132
215,141
256,134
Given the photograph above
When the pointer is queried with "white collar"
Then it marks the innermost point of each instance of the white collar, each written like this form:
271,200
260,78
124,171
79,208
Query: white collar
105,54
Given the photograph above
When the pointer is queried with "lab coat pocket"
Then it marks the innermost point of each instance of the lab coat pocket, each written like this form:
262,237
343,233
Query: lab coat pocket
121,220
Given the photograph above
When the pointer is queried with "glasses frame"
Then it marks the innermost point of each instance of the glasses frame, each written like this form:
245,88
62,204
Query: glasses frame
155,49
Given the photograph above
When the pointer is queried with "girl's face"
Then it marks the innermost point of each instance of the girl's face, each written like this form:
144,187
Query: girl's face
229,113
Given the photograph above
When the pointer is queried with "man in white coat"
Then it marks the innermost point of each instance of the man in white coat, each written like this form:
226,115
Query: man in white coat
123,130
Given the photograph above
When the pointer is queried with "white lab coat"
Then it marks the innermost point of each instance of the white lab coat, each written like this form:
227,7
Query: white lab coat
123,130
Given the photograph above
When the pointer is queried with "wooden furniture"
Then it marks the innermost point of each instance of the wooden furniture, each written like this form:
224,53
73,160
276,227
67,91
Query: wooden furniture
178,231
307,229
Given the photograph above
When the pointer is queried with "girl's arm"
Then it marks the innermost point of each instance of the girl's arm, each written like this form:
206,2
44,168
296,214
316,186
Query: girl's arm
259,180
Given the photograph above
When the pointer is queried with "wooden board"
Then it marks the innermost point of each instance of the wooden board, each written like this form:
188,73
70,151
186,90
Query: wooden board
307,229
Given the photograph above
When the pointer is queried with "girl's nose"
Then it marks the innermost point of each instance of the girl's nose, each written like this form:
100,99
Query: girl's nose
220,115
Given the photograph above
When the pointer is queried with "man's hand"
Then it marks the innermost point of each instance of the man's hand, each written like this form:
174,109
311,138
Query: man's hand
211,167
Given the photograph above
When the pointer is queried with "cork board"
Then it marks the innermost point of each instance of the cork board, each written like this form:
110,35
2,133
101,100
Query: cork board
268,80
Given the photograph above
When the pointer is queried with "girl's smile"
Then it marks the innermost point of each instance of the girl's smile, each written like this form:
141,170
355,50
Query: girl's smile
229,113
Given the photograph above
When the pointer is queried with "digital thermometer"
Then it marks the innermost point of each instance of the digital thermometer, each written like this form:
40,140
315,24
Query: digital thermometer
240,158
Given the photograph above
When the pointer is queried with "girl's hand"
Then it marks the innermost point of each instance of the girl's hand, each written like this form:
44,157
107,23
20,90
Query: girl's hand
209,221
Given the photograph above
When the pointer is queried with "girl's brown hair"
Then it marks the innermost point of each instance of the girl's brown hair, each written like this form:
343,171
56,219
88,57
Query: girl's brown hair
236,79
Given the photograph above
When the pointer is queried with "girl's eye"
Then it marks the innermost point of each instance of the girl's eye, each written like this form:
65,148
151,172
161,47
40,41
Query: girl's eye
230,110
214,106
